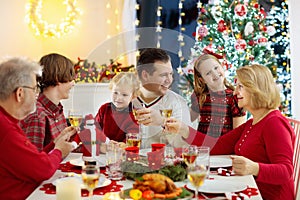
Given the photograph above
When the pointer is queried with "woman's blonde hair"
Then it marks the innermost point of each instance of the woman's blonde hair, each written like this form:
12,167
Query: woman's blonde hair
126,78
259,81
200,87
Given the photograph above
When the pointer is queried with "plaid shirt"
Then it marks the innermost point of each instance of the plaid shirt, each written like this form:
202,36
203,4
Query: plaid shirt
45,124
217,112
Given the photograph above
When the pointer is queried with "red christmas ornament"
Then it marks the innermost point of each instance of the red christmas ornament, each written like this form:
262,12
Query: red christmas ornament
251,42
262,41
263,12
240,45
202,31
256,5
222,25
240,10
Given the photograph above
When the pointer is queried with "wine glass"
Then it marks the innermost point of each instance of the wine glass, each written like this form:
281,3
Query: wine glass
196,175
136,107
166,113
189,154
75,117
90,177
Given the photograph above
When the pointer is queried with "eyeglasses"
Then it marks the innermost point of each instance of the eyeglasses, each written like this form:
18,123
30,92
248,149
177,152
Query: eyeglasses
36,88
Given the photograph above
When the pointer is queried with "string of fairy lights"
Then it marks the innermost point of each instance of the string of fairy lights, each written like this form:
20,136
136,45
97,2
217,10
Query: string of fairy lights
41,27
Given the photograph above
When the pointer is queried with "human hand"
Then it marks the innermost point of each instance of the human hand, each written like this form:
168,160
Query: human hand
63,145
68,132
149,117
244,166
173,125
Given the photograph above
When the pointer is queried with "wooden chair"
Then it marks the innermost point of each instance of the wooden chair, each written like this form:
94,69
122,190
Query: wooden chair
296,125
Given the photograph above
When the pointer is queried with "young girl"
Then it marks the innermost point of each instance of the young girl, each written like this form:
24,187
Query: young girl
116,117
213,98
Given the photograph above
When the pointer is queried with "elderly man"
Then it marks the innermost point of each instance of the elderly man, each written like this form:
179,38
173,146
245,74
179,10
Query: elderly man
22,166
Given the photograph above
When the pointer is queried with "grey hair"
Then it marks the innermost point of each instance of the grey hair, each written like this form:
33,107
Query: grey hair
16,72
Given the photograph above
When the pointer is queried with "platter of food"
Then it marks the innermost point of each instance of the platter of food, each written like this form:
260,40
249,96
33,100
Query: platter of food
156,186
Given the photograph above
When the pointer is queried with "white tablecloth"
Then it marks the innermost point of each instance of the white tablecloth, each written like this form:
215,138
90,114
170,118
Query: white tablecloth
38,194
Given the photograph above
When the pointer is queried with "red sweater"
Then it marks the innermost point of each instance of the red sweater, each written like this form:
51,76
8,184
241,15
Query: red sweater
270,142
115,124
22,166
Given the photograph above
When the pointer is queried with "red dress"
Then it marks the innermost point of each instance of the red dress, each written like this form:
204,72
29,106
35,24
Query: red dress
217,112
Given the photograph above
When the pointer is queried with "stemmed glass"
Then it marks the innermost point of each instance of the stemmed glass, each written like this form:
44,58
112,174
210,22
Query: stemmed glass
90,177
189,154
166,114
196,175
75,117
136,107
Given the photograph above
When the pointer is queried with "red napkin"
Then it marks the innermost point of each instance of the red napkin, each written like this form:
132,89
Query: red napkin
156,159
225,172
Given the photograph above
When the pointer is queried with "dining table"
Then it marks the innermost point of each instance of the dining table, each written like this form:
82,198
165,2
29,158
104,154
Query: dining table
46,190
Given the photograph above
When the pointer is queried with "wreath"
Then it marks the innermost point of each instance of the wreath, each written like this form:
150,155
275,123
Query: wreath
42,27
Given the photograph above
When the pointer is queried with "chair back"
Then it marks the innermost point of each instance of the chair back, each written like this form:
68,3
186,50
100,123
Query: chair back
296,125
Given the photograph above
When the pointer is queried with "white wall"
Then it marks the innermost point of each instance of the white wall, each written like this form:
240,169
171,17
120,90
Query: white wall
16,38
87,97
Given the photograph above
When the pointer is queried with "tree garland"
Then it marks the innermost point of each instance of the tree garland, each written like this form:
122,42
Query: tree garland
43,28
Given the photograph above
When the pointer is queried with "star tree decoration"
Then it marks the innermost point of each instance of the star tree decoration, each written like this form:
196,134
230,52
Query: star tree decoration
278,17
236,32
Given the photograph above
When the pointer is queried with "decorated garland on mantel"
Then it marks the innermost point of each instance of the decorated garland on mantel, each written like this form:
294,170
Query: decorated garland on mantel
87,72
43,28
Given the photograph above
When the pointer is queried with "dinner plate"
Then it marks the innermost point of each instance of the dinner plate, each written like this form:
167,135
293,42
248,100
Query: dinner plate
79,162
216,162
103,181
219,186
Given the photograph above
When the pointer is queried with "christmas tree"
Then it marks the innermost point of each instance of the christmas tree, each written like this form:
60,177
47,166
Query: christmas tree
278,17
234,31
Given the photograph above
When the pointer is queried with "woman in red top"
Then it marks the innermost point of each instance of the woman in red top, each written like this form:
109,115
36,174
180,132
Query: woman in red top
213,98
264,144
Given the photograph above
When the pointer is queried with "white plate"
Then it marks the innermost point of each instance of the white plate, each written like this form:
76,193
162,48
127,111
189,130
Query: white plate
103,181
219,186
216,162
79,162
143,152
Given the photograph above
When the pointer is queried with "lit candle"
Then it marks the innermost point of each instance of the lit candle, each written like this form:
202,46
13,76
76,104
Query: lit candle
68,188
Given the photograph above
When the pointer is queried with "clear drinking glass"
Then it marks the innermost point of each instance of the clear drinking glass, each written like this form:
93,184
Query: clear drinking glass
90,177
196,175
166,113
75,117
189,154
203,158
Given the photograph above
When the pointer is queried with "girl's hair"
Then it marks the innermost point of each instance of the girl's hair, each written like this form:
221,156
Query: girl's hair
56,69
126,78
200,87
259,81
